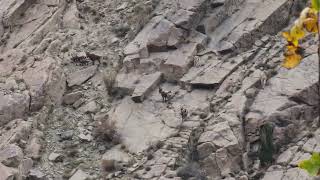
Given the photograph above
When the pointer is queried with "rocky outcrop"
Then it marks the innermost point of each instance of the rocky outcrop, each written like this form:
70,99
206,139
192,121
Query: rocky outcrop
153,90
145,86
48,86
6,173
139,118
13,106
251,22
280,109
81,76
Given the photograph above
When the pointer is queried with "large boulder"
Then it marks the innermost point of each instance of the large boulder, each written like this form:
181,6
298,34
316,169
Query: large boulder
7,173
81,76
145,86
70,18
13,106
142,124
221,136
40,13
49,84
290,103
179,62
9,60
158,34
11,155
18,130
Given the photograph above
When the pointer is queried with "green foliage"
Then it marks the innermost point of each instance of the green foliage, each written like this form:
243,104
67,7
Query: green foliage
316,4
266,147
311,165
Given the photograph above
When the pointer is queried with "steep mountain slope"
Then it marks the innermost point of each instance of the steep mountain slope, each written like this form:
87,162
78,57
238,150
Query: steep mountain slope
82,86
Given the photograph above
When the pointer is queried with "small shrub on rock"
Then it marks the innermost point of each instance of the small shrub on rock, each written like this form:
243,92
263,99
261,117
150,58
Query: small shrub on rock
109,78
191,170
105,130
108,165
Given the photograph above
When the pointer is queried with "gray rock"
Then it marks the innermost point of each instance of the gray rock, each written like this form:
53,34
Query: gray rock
36,174
310,145
33,149
11,84
284,83
244,177
164,34
235,30
6,173
90,107
273,175
81,76
205,149
70,18
223,161
86,137
101,116
67,135
221,135
54,48
13,106
198,38
116,154
19,130
146,84
72,97
139,44
215,75
299,156
157,34
78,103
287,155
55,157
152,63
131,62
210,165
42,46
79,175
179,62
24,167
11,155
122,6
126,82
282,88
49,84
309,95
192,5
185,19
141,124
296,174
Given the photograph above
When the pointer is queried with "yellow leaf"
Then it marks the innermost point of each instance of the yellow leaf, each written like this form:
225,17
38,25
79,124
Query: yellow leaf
287,36
297,32
311,25
292,61
312,13
291,49
290,38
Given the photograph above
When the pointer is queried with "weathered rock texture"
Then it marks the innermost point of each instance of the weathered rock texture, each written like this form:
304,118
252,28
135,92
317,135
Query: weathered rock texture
171,89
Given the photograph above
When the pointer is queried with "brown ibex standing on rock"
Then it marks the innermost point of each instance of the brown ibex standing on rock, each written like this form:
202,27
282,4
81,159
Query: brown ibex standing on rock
165,95
183,113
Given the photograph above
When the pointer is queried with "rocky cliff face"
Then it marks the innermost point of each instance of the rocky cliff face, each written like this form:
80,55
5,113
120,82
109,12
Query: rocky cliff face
153,89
